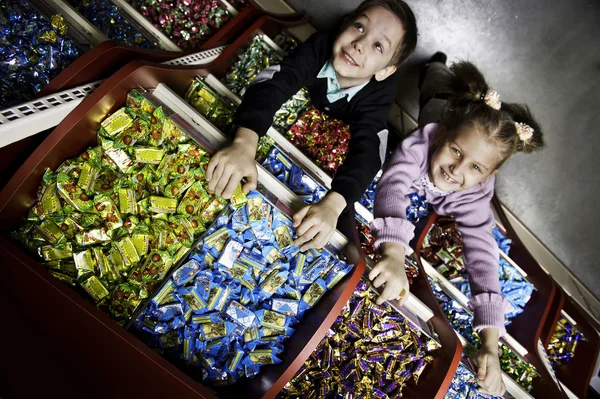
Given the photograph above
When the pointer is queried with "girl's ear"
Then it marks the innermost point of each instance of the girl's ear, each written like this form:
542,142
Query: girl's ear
385,72
494,173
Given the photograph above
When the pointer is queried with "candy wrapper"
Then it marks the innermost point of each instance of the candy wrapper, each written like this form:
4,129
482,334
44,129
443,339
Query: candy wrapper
107,18
290,110
112,221
257,57
523,373
33,50
188,23
286,41
371,351
228,310
367,244
323,139
464,386
290,174
368,198
443,249
563,343
216,108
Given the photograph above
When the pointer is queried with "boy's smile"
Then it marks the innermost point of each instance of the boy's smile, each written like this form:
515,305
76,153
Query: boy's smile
366,47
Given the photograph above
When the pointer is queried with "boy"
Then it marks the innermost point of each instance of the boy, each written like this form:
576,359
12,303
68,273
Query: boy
349,76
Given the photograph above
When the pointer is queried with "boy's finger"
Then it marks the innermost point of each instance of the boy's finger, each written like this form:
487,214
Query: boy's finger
306,237
234,180
216,177
317,242
223,181
251,181
210,168
307,223
299,216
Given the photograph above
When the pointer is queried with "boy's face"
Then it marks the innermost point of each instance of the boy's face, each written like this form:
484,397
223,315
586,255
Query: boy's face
366,47
464,161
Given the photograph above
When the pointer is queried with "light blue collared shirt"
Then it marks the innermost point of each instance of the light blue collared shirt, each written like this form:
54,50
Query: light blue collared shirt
334,91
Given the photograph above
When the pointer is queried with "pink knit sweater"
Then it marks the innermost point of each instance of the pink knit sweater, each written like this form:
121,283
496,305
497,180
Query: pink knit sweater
403,175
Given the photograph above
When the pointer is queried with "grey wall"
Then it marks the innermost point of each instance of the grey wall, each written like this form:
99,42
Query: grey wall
542,53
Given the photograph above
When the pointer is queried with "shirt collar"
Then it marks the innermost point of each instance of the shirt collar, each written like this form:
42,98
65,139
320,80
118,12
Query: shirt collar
334,91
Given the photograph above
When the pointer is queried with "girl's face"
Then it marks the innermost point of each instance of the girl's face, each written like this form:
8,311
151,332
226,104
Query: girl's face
366,47
464,161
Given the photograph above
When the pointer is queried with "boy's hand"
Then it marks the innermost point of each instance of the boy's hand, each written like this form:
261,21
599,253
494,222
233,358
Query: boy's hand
315,224
230,164
489,373
390,271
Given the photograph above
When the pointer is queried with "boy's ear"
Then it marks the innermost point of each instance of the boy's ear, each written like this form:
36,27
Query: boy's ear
385,72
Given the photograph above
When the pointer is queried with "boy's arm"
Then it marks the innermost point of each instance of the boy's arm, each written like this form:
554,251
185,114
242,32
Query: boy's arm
403,168
278,83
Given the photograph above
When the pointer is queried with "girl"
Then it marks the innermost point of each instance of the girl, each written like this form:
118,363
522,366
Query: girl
349,76
454,164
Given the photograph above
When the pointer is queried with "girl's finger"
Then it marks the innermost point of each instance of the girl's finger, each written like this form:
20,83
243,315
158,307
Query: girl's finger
379,281
216,177
375,271
299,216
210,168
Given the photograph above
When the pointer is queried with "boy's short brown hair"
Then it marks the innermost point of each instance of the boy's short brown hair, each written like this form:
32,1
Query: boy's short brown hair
404,13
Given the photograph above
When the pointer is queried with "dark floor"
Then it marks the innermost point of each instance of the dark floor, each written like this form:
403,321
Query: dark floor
545,54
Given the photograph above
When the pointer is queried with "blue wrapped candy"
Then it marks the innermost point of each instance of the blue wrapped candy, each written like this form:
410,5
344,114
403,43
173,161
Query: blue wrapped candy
33,50
107,18
229,317
418,208
290,174
464,386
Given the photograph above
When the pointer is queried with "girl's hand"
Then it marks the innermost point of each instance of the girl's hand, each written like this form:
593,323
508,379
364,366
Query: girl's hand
489,373
315,224
230,164
390,271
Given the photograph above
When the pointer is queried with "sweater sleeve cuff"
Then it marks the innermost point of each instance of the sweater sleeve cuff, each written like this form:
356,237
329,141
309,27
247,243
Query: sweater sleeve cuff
392,229
488,310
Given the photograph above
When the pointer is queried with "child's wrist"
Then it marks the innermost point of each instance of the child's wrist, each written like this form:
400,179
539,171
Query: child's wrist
246,140
490,338
335,201
393,249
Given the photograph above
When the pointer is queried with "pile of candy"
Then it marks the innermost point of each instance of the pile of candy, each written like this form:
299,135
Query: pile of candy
257,57
289,111
120,215
286,41
189,23
464,386
214,107
106,17
290,174
219,110
563,343
371,351
228,310
33,50
322,138
443,249
520,371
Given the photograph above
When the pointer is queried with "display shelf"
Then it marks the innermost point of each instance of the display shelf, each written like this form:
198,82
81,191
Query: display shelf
74,133
19,122
526,328
82,31
463,301
107,58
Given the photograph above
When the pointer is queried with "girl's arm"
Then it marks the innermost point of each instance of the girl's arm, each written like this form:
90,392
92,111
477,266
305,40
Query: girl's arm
480,251
404,167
